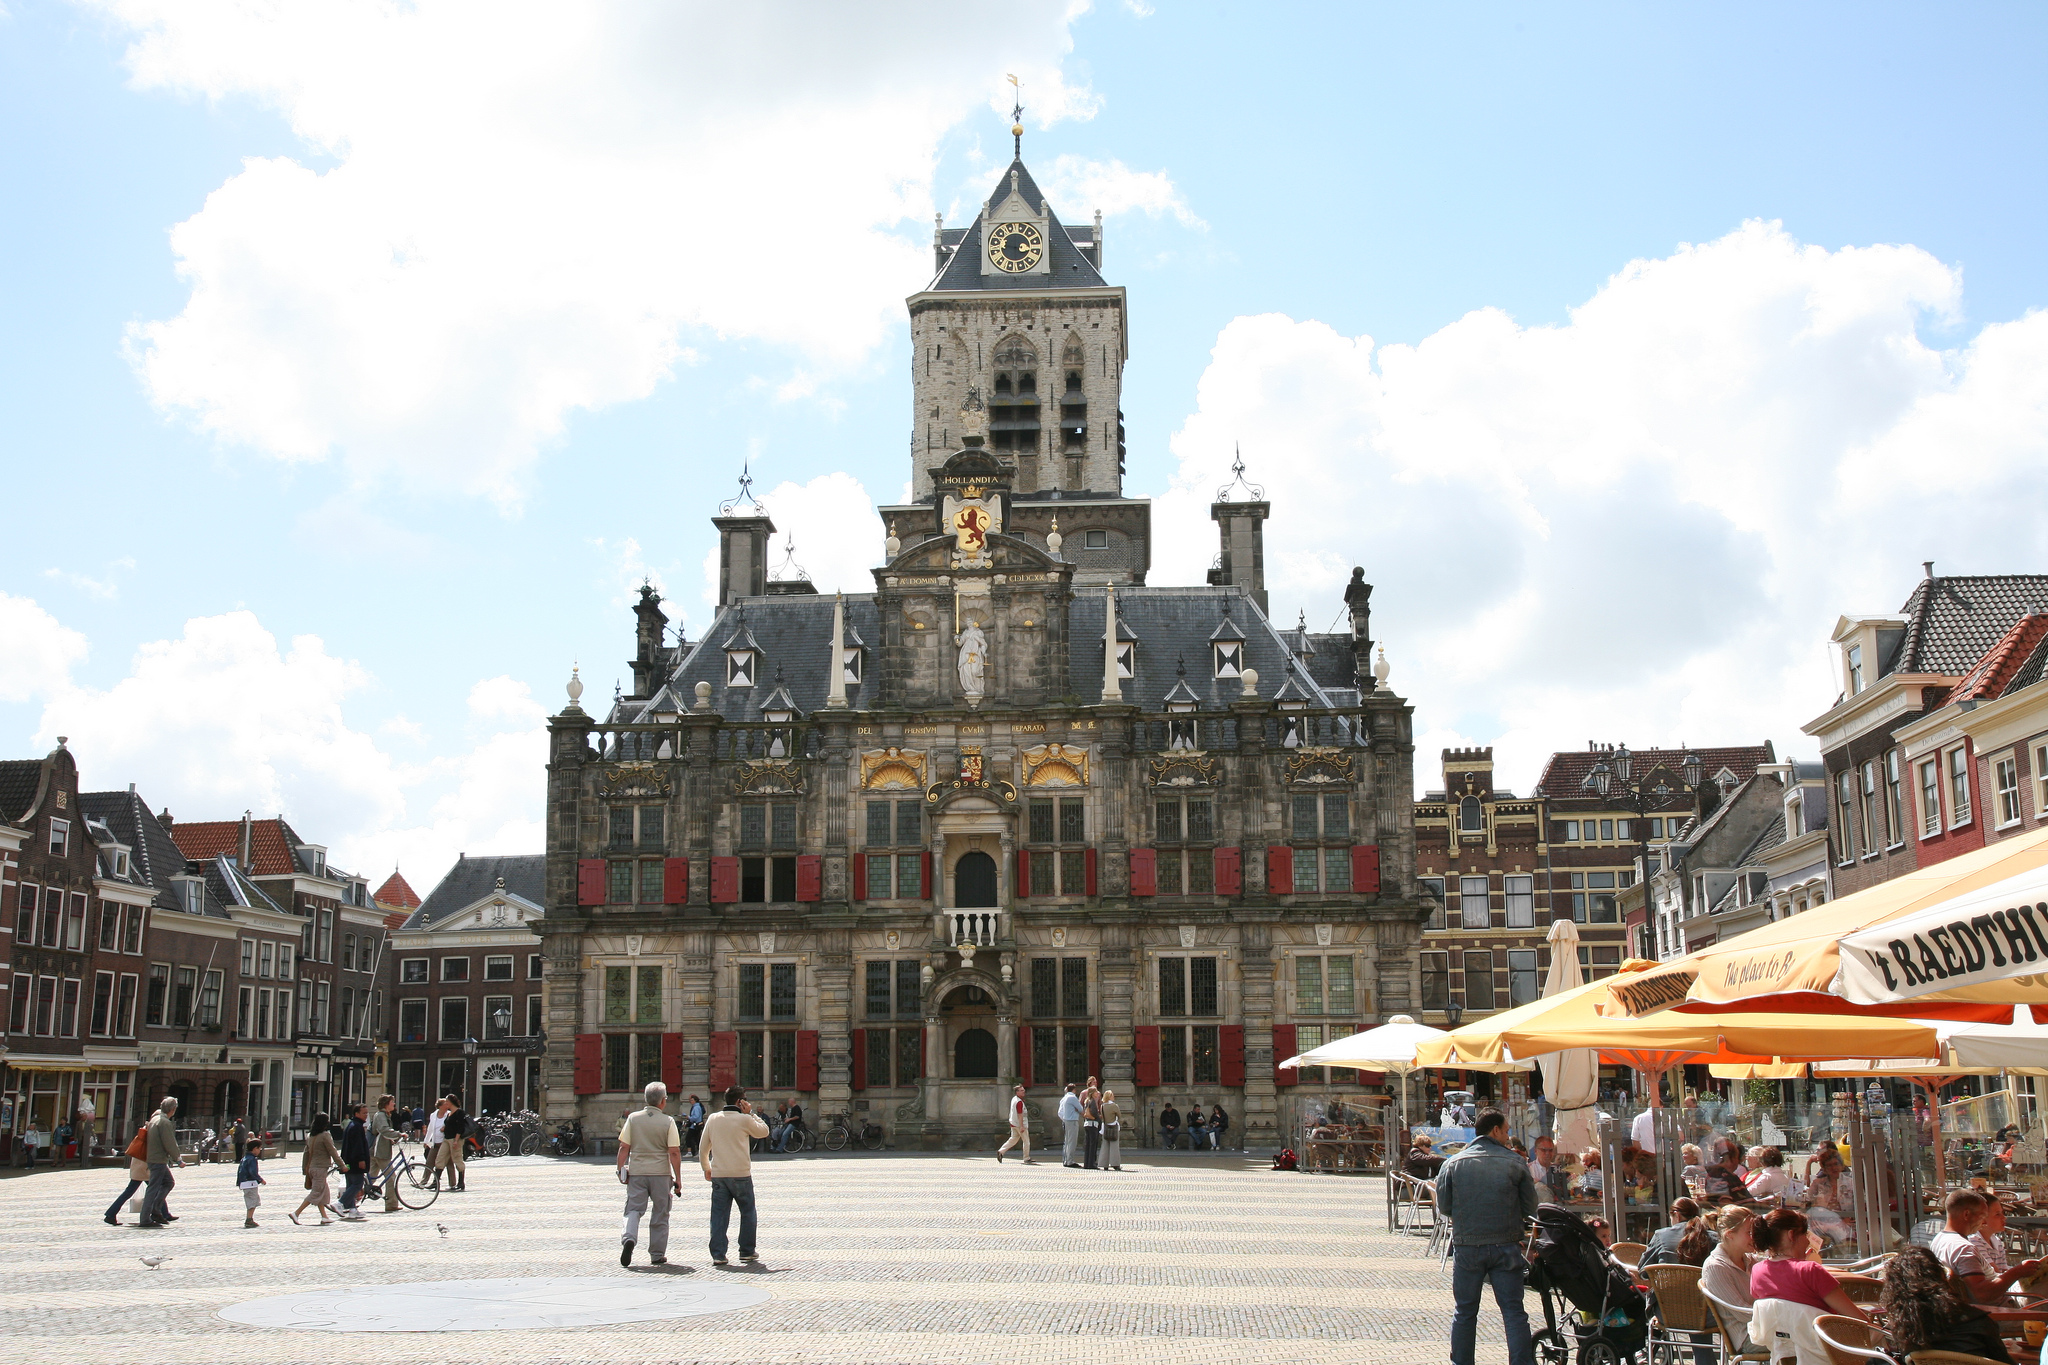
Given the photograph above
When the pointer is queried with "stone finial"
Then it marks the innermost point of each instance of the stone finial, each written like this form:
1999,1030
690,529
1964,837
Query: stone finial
892,546
1053,538
703,697
575,687
1251,682
1380,671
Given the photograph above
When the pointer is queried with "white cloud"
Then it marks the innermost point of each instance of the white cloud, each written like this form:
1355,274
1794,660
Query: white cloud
104,588
222,719
39,650
516,211
1641,524
1078,185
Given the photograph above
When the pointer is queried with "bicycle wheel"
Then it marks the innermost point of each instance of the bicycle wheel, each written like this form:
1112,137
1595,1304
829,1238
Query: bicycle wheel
872,1138
570,1147
413,1192
530,1145
496,1145
836,1137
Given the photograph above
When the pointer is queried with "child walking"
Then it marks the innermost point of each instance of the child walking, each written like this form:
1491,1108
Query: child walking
249,1175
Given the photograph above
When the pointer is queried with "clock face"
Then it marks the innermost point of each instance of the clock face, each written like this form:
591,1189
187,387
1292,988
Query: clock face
1015,247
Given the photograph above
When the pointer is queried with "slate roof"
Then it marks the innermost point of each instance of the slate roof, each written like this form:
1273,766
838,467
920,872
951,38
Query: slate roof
20,779
1994,672
1567,768
154,857
472,879
397,891
1333,664
1069,265
1953,622
1172,624
1773,835
793,634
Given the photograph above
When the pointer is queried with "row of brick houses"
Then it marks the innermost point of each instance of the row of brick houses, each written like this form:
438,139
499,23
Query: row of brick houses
226,963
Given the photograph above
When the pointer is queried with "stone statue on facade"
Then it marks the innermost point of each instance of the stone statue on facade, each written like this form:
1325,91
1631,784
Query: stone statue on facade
973,658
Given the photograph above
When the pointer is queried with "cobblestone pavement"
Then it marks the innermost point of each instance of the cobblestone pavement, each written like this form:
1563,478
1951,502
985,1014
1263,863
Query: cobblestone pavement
870,1258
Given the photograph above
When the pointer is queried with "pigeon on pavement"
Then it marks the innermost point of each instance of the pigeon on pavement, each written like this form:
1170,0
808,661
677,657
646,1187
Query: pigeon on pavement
441,1228
154,1261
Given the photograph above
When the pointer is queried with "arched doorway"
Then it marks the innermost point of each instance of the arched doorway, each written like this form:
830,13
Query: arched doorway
494,1091
974,1054
974,882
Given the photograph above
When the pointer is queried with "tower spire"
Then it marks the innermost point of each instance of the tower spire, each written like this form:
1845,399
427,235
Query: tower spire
1017,118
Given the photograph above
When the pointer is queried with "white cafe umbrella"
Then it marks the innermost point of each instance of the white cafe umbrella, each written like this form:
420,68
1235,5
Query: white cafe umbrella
2020,1045
1571,1079
1390,1048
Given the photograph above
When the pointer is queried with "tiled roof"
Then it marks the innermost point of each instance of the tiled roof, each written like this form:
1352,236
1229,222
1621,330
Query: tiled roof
472,879
395,891
270,855
1951,623
20,779
2031,671
2002,661
1772,835
1567,768
1068,268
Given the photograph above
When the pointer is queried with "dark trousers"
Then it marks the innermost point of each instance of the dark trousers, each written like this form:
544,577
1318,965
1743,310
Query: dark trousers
352,1189
161,1183
692,1138
115,1207
1091,1144
726,1192
1504,1268
1168,1137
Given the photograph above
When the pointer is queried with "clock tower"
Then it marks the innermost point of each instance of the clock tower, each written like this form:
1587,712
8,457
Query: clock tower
1019,346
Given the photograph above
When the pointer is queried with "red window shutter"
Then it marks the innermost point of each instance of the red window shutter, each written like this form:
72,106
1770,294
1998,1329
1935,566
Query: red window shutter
590,881
924,876
860,876
807,1059
1283,1048
1229,872
1090,861
725,884
725,1063
810,885
589,1061
1365,869
1094,1051
1148,1054
1280,871
1231,1039
672,1062
1024,1054
1023,873
675,881
1144,872
859,1039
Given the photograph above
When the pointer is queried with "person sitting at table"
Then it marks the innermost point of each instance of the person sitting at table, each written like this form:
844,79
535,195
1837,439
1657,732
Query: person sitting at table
1423,1163
1768,1178
1831,1198
1723,1178
1967,1256
1991,1232
1686,1241
1925,1310
1725,1274
1693,1171
1589,1181
1542,1159
1786,1273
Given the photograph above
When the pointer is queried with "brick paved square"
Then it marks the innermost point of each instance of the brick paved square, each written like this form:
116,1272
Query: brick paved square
870,1258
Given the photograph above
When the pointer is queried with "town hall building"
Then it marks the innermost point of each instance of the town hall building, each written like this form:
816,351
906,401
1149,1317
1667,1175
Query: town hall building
1015,815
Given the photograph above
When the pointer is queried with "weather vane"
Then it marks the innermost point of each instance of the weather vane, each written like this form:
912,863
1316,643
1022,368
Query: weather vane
1017,116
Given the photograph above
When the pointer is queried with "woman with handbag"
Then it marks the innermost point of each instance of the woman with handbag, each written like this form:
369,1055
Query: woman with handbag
320,1158
1112,1133
138,1173
1091,1127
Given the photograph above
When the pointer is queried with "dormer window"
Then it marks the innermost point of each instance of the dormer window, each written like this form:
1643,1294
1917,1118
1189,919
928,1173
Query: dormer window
120,862
850,665
1471,816
1126,660
1230,659
1855,669
739,667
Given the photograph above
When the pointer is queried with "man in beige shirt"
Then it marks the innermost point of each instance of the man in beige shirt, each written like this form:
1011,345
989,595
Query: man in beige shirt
651,1164
727,1159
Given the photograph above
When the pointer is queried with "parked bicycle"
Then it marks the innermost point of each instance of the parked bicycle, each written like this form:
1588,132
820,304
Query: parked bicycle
847,1131
566,1141
413,1183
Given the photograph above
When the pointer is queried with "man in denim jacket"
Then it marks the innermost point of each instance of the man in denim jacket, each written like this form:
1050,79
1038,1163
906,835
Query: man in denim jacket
1487,1193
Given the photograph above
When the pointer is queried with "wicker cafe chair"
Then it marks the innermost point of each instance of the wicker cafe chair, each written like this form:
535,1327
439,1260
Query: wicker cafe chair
1852,1342
1732,1322
1629,1254
1684,1322
1861,1289
1949,1358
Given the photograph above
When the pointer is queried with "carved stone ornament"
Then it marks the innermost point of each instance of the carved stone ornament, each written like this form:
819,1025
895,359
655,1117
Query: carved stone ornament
1059,938
1055,765
1322,935
1318,764
761,778
1187,936
892,769
892,940
633,945
1187,768
972,520
634,779
767,943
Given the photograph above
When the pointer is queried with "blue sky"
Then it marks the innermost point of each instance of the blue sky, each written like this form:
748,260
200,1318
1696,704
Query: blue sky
397,389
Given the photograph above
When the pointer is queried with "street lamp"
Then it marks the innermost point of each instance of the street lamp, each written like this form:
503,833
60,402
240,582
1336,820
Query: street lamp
469,1047
503,1019
1454,1013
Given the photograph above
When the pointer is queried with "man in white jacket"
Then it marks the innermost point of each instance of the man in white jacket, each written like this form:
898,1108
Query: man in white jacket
726,1156
1020,1128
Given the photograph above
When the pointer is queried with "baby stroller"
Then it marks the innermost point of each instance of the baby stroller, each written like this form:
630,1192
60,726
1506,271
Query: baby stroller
1566,1259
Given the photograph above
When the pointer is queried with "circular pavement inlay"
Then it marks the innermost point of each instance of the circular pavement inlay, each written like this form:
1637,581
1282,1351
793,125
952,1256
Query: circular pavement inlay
496,1305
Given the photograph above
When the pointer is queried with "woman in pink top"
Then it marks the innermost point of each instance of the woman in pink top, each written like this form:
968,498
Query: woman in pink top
1785,1273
